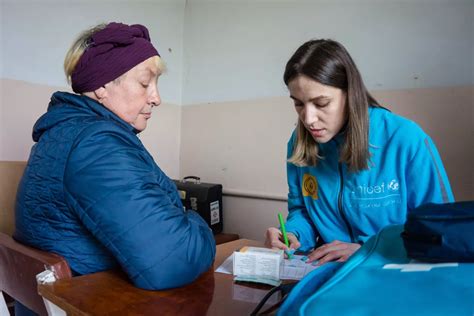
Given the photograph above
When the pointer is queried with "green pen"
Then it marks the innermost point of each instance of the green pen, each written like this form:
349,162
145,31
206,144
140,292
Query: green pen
283,230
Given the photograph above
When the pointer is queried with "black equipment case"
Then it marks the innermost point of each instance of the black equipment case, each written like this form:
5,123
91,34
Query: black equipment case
204,198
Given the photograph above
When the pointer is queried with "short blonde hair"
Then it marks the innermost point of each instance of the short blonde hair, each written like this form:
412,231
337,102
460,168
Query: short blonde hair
78,48
160,64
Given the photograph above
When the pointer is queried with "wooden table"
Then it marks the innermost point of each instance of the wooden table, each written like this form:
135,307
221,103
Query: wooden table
111,293
222,238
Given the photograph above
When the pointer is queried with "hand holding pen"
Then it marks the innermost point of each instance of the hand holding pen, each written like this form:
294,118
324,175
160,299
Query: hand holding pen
274,238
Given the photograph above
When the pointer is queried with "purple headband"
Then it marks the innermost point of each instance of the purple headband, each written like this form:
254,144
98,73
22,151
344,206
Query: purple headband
112,52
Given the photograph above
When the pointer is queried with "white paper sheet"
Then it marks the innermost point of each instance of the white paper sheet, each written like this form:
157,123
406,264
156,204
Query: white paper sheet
293,269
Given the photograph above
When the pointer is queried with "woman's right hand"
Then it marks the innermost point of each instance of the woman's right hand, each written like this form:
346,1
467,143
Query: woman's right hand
274,239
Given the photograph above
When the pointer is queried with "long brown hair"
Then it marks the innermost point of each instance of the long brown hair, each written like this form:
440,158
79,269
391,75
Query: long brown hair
329,63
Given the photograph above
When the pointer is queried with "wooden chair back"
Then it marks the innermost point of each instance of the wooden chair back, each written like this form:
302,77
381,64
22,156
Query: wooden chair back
19,266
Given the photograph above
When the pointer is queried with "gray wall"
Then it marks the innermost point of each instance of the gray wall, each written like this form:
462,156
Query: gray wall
237,50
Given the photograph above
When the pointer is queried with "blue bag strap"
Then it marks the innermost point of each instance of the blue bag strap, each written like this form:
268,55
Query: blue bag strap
307,286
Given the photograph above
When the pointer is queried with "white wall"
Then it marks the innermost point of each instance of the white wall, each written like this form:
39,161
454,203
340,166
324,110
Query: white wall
237,50
234,57
23,103
243,146
36,35
2,132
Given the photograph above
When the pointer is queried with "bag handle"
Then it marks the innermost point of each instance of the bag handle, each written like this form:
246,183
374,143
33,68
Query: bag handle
433,239
194,179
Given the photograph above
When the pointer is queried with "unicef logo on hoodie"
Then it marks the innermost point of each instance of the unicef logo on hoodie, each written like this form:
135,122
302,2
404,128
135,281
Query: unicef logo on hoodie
393,185
382,194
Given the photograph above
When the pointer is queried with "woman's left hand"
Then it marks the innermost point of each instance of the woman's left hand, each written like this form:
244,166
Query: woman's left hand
334,251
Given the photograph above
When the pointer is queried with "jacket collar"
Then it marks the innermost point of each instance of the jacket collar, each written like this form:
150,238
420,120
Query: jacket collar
64,106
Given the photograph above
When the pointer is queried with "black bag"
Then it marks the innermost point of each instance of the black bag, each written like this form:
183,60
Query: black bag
440,232
204,198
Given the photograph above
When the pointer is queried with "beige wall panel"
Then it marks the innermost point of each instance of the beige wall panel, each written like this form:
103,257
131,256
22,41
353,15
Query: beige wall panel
23,103
243,146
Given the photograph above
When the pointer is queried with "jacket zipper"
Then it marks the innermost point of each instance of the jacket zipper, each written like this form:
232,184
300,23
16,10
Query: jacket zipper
341,208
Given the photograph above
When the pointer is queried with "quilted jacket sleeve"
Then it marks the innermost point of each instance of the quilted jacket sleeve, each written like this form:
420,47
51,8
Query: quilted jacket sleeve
126,202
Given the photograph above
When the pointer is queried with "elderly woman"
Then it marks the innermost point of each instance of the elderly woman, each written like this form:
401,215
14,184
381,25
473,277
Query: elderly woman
91,192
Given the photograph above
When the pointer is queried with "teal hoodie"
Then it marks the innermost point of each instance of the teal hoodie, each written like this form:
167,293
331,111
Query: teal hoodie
329,202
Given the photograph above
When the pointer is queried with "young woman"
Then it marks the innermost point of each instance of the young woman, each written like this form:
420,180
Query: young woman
91,192
353,167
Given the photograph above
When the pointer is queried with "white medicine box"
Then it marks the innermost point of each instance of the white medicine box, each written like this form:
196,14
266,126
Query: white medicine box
259,262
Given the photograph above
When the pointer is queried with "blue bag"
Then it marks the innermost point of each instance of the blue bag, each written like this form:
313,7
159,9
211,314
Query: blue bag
441,232
363,287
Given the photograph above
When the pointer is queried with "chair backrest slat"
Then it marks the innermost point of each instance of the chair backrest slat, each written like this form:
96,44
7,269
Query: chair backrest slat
19,265
10,175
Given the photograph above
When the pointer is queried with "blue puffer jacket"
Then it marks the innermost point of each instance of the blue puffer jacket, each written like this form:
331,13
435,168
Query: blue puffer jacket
92,193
